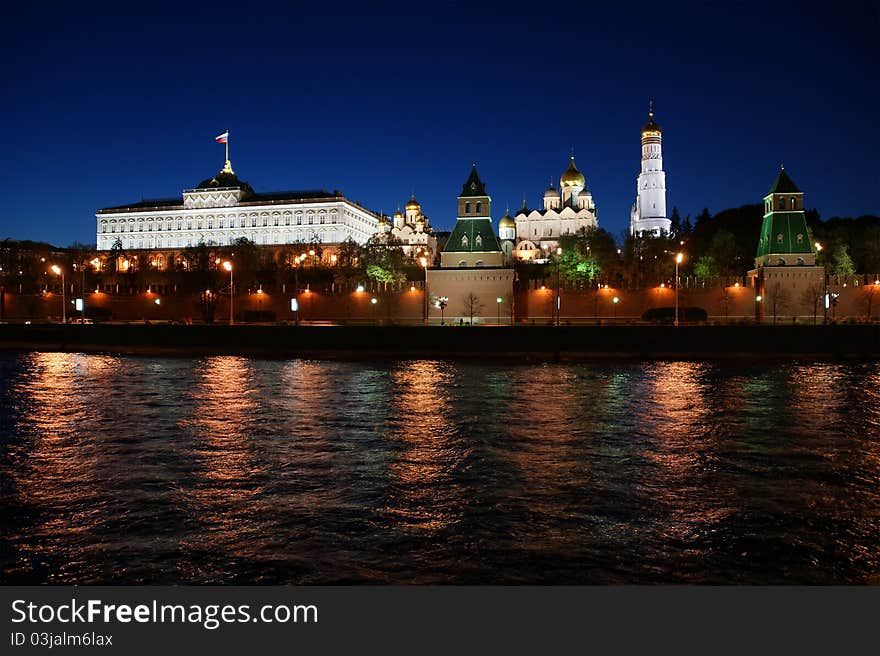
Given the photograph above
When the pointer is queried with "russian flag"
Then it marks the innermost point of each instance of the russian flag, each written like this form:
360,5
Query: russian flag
222,138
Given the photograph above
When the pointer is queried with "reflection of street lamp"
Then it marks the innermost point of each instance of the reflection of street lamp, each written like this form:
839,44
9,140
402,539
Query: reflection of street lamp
424,262
58,271
678,259
228,266
441,303
615,301
499,301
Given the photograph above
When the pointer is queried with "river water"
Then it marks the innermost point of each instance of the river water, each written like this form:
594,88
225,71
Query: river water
235,470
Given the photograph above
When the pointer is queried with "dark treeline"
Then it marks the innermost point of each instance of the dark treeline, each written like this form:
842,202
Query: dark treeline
716,247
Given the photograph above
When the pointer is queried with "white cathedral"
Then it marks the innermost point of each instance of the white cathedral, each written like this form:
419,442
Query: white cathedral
649,211
538,231
413,229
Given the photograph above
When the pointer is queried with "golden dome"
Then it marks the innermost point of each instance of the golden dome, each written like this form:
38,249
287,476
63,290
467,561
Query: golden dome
413,204
572,177
383,219
506,222
398,214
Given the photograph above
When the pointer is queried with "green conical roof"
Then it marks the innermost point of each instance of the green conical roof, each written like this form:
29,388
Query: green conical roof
783,184
473,186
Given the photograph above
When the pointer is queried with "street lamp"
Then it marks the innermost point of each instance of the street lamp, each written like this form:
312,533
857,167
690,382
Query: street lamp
442,302
228,266
499,301
424,262
825,299
678,259
58,271
558,258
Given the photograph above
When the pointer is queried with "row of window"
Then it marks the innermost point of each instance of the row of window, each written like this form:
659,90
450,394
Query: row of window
208,223
780,238
223,240
467,207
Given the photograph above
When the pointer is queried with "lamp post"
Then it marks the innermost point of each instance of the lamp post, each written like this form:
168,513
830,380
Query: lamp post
824,288
228,266
424,262
678,258
441,303
498,302
558,300
58,271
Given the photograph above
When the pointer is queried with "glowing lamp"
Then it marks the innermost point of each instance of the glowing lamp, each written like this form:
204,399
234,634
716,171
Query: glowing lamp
615,300
227,265
56,269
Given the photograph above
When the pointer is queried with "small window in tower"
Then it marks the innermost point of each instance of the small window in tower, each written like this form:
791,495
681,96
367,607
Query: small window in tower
467,208
464,241
478,241
792,203
782,203
779,238
800,238
479,207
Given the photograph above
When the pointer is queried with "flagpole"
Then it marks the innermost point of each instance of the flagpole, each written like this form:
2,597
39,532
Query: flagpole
227,145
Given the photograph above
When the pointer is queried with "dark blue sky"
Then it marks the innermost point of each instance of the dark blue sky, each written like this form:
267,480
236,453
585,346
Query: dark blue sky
108,104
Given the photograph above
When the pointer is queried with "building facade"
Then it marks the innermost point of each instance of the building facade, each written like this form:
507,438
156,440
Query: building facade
648,214
222,209
565,213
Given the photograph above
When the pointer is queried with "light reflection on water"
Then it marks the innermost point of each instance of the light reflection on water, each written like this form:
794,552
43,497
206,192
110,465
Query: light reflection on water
117,469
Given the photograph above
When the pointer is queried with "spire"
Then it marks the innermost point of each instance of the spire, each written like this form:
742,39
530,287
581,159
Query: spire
473,186
651,109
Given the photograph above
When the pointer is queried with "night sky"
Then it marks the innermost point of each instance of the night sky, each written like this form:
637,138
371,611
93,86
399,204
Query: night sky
106,105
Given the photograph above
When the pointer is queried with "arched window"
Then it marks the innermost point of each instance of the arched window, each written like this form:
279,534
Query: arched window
782,203
467,208
478,263
464,241
478,241
781,261
479,207
800,238
779,238
462,263
792,203
800,261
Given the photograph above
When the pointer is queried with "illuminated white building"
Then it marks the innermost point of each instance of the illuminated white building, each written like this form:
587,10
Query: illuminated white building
649,211
223,209
538,231
413,229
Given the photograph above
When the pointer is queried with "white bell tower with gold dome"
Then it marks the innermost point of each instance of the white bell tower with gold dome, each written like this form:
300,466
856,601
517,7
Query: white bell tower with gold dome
649,211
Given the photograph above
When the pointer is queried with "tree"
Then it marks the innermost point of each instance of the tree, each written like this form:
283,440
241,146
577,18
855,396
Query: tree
722,249
705,267
472,306
812,297
841,262
868,293
779,300
384,259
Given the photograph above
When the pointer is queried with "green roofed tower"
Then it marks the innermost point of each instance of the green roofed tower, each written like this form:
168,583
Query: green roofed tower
785,238
473,242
